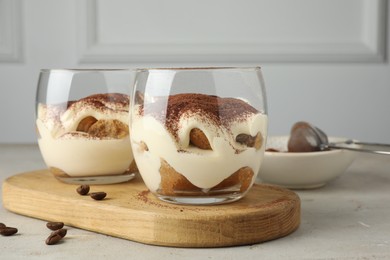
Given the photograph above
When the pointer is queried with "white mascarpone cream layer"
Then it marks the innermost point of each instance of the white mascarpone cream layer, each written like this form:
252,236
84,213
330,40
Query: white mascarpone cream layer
58,123
203,168
76,153
71,118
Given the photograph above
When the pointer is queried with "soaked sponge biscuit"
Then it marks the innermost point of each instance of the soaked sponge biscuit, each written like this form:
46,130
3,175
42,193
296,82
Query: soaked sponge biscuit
110,128
174,183
86,123
199,139
242,178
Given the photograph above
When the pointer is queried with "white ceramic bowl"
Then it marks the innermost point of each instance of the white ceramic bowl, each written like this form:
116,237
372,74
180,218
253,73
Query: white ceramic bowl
302,170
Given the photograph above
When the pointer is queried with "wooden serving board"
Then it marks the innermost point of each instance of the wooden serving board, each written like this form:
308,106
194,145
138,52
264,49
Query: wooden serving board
131,212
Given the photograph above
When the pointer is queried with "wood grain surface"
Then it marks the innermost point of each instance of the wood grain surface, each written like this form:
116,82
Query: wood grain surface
131,212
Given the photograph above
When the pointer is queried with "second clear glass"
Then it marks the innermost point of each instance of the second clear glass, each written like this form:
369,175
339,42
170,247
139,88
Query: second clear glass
82,118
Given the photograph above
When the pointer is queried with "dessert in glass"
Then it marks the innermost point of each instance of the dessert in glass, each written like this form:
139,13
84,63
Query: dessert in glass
82,119
198,134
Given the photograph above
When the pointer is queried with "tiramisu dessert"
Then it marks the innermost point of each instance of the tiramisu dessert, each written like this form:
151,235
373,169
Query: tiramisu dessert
198,145
86,137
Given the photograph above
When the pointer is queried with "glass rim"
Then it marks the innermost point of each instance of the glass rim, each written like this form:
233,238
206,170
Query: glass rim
83,70
211,68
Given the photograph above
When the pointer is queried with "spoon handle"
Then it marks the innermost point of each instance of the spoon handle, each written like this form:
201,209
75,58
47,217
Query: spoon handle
351,145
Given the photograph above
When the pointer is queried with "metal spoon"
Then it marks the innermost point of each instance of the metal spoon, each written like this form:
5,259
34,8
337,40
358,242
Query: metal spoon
319,141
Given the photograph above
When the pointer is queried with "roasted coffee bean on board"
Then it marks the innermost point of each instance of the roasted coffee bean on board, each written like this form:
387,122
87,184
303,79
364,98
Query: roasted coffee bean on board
98,195
83,189
55,225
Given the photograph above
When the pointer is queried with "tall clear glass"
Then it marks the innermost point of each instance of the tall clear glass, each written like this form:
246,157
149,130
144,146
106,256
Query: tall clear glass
82,119
198,134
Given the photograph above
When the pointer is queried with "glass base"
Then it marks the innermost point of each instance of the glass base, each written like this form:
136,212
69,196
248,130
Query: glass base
201,200
97,179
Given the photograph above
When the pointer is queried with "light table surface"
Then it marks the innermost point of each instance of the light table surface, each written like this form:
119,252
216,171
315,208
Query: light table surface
347,219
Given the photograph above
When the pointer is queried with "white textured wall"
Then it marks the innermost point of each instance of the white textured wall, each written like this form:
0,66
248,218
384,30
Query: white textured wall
324,61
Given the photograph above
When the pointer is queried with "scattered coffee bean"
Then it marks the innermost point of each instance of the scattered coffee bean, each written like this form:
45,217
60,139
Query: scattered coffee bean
53,239
2,226
246,140
55,225
62,232
83,189
8,231
98,195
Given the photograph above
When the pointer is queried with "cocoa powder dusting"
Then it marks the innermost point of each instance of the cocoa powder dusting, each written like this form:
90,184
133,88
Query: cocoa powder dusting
104,100
143,195
108,97
216,110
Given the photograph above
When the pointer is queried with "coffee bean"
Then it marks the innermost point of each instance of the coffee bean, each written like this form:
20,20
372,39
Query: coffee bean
53,239
62,232
55,225
98,195
83,189
246,140
8,231
2,226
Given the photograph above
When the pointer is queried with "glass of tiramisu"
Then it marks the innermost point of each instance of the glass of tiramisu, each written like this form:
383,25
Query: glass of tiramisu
198,134
82,118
